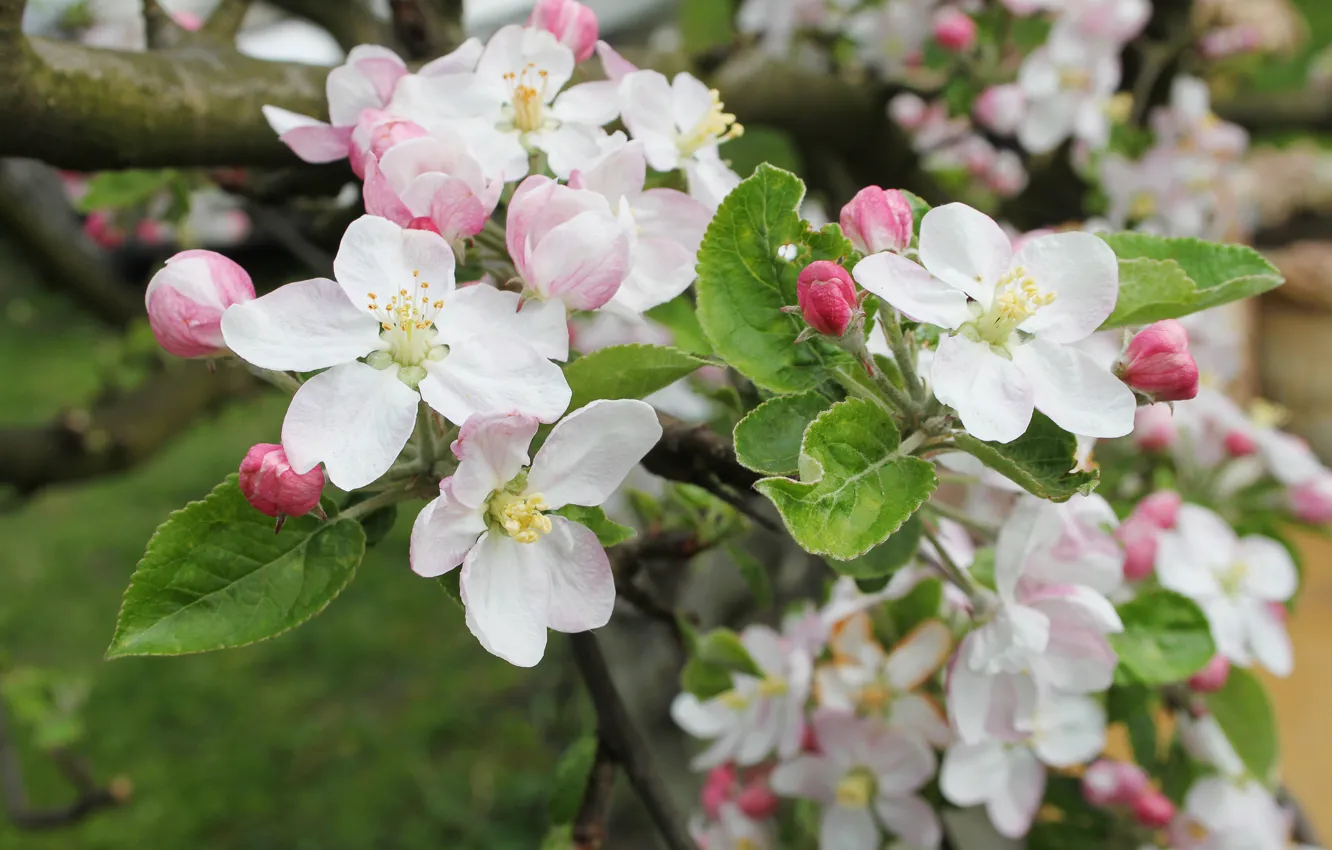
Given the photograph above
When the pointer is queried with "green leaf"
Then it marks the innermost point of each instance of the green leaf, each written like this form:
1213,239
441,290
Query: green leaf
1166,638
626,371
754,573
215,576
705,24
856,489
921,604
886,558
451,582
679,316
558,837
743,284
704,680
1244,711
722,648
918,208
1165,278
609,532
1040,461
768,439
569,779
110,190
377,524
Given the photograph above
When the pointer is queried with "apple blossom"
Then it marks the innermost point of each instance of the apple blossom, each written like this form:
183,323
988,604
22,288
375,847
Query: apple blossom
1311,501
1157,363
270,484
566,244
732,829
1067,86
1013,317
512,105
878,220
866,777
1113,783
954,30
187,297
1222,813
394,303
908,110
1000,108
1232,579
828,299
760,714
525,568
574,24
666,226
891,36
1213,677
1153,810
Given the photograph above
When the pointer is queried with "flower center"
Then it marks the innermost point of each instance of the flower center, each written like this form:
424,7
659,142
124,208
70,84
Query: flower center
1017,297
407,324
1143,206
856,789
874,698
714,127
1232,580
773,686
521,516
1075,79
527,96
743,843
734,700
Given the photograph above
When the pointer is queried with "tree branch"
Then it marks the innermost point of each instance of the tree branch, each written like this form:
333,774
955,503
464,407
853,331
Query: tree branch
226,19
589,826
91,797
617,733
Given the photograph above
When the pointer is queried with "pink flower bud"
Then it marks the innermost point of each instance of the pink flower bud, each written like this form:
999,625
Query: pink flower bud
717,789
878,220
827,297
1161,508
574,24
1312,501
1153,427
1211,678
908,110
1140,546
1230,41
1154,810
103,230
1001,108
758,802
1007,176
1240,444
1157,363
1113,783
954,30
809,740
186,299
187,20
273,487
386,134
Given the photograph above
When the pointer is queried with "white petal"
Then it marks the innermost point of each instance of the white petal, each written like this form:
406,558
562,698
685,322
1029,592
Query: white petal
965,248
1082,272
1208,537
1020,793
582,261
918,655
582,588
912,290
848,829
1271,573
1075,391
901,762
698,718
969,696
354,419
991,395
1047,123
1179,568
302,326
539,324
646,109
596,103
1070,730
691,101
506,588
1230,628
1017,541
378,257
841,736
920,715
911,819
619,175
485,374
444,532
349,93
972,773
661,269
591,450
491,450
461,60
1269,639
811,777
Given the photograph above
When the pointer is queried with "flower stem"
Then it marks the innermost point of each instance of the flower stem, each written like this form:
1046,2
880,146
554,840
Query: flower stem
903,353
950,512
425,438
374,503
955,574
282,380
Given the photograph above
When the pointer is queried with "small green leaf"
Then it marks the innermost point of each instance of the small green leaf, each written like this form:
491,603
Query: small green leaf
754,574
1165,278
679,316
921,604
768,439
743,283
569,780
626,371
704,680
855,488
609,532
1166,638
558,837
886,558
1244,712
216,576
918,208
451,582
1040,461
722,648
110,190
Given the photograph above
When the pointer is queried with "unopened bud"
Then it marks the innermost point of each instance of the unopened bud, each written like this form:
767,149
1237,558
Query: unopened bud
908,110
186,299
878,220
827,297
390,132
1312,501
757,800
1001,108
1154,810
1161,508
1153,427
954,30
574,24
270,484
1113,783
1157,363
1140,545
717,788
1211,678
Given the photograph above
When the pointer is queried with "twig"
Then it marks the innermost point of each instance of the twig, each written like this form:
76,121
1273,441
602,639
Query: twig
960,517
1302,831
289,236
694,454
159,27
589,826
91,797
629,561
955,574
626,746
226,19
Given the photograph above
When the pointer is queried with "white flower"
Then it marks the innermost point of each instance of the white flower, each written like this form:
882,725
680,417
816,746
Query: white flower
524,569
760,714
1014,317
395,331
1236,581
732,830
512,105
1227,814
681,123
865,775
1068,84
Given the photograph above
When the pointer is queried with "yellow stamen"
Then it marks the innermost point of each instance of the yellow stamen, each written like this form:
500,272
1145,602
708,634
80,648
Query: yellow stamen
855,790
1142,206
714,127
527,94
523,519
772,686
874,698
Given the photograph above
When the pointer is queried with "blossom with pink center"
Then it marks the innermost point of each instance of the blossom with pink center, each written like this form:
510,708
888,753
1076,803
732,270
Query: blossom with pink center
1012,317
574,24
1233,579
1157,363
878,220
391,331
435,178
665,228
761,714
270,484
867,778
525,568
186,300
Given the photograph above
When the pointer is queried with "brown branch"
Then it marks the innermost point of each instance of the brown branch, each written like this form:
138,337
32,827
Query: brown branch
1308,110
159,28
589,826
616,731
695,454
631,559
1302,829
226,19
91,796
120,431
